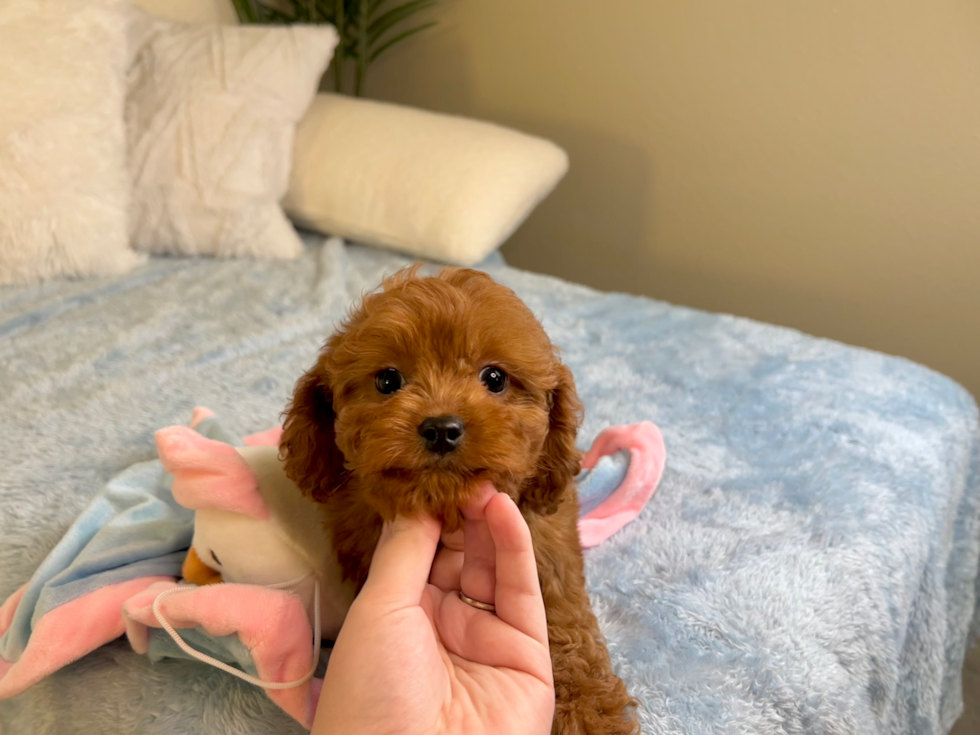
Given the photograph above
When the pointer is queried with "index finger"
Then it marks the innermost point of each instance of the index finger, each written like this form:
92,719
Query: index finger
477,576
402,560
518,594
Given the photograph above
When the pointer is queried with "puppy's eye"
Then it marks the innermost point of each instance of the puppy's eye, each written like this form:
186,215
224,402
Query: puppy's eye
494,379
388,381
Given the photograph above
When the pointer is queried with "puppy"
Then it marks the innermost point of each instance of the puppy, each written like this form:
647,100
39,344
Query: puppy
431,387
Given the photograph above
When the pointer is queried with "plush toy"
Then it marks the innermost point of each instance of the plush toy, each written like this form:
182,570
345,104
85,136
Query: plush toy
252,525
259,555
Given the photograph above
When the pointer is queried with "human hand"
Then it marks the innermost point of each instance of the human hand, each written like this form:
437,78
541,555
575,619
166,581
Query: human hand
412,657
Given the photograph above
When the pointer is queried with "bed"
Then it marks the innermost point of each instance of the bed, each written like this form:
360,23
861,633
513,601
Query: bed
809,563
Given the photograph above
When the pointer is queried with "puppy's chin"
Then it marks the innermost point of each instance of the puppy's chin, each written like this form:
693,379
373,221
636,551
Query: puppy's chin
440,492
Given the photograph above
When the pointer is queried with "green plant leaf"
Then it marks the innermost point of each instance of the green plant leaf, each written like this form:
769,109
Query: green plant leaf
308,13
330,10
340,23
386,20
247,10
281,8
276,17
361,24
327,10
361,57
395,39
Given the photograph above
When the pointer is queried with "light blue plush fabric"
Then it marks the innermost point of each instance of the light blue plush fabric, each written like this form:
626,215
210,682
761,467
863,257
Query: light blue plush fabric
808,564
132,528
597,484
227,648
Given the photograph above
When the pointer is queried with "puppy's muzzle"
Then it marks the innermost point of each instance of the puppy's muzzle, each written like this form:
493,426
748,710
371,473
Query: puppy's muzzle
441,434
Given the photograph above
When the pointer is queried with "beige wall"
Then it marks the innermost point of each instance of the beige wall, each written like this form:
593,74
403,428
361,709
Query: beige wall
812,164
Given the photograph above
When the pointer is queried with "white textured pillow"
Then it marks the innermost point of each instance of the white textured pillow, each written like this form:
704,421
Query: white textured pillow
434,186
63,187
210,115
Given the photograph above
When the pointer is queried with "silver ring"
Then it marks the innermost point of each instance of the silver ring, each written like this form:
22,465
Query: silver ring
477,604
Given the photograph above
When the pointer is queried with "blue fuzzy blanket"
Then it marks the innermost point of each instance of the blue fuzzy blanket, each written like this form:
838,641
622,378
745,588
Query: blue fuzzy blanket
809,563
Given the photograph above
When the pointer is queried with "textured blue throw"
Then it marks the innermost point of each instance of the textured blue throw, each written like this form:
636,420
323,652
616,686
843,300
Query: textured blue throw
808,565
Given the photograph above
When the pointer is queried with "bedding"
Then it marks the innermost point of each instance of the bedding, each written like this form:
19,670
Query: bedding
808,564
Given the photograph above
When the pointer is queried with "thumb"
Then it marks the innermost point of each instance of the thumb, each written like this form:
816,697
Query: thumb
402,560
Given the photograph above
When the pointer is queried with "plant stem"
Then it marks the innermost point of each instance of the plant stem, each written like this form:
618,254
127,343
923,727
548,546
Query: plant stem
362,47
338,58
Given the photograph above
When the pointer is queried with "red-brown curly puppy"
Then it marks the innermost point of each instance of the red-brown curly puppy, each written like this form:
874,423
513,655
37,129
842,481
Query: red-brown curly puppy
430,387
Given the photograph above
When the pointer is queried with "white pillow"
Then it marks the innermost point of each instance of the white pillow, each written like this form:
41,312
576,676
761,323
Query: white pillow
63,185
434,186
210,114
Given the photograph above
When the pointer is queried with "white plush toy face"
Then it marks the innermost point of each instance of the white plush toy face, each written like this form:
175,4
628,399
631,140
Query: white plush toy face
244,549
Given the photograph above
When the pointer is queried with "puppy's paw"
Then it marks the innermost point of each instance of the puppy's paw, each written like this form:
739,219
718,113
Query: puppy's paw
587,704
576,720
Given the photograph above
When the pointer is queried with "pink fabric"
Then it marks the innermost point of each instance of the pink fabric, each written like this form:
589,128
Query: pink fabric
272,624
200,413
267,438
648,455
208,474
67,633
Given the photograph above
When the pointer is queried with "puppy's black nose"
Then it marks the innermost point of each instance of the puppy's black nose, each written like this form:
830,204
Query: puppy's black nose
441,434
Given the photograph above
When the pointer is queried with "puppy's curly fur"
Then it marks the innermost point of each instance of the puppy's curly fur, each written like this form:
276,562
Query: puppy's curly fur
360,451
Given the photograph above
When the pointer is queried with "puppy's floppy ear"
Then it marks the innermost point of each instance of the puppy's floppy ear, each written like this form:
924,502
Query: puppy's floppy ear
560,460
308,447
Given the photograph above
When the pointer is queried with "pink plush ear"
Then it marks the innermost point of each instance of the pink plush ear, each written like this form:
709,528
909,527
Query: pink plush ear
648,456
267,438
200,413
209,475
